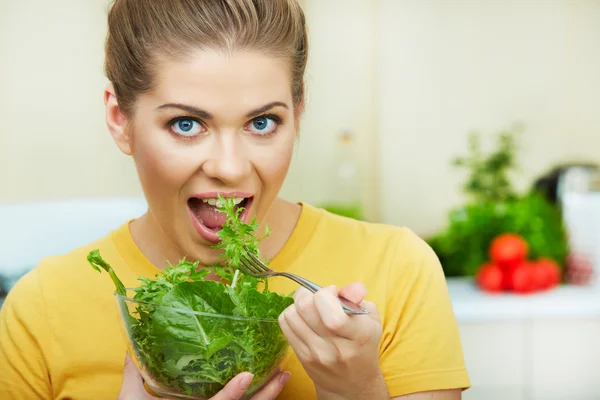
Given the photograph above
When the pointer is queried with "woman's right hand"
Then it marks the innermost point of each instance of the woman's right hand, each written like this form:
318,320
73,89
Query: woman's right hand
133,388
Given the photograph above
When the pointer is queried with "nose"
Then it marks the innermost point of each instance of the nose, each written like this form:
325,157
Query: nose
228,161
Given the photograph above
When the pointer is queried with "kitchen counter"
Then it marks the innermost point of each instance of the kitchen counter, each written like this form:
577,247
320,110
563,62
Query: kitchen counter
564,302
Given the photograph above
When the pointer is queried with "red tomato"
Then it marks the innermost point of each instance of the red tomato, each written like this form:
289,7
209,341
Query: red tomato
547,273
508,249
541,276
523,278
489,278
507,276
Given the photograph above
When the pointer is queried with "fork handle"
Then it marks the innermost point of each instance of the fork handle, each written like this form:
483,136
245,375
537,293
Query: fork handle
349,307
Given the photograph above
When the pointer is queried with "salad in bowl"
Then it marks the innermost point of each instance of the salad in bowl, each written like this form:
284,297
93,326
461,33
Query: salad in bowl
190,335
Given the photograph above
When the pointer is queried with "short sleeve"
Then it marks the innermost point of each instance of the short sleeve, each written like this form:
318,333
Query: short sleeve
23,325
420,347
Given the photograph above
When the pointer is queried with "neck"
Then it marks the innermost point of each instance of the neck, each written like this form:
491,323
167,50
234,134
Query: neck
281,220
152,241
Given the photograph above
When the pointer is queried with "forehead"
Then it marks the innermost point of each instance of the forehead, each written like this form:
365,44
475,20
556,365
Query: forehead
220,79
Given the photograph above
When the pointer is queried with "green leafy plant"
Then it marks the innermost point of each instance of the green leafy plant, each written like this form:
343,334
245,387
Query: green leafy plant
489,175
463,246
494,208
177,326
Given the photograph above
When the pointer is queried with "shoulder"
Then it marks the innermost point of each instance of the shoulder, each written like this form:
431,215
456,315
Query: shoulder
386,257
71,267
398,244
55,277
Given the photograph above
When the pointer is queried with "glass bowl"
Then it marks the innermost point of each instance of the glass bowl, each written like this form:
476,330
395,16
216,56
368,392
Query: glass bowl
186,354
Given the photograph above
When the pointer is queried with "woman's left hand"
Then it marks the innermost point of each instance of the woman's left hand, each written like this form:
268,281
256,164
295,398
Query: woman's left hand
339,352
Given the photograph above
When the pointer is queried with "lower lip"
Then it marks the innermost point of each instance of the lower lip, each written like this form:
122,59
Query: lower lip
211,235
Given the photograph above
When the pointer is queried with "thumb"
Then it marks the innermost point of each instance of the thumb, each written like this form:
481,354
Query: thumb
235,388
354,292
132,379
374,312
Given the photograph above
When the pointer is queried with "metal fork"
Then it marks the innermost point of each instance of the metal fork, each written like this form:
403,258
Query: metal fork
253,266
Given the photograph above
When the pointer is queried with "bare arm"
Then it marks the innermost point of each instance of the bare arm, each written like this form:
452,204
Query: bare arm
455,394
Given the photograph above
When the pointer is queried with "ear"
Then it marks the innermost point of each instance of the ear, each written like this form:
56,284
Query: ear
117,121
298,113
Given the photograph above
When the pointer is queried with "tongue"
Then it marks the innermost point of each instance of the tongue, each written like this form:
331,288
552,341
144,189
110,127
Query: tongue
209,216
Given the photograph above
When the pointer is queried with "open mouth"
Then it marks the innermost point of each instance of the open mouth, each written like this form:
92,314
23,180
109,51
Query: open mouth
207,219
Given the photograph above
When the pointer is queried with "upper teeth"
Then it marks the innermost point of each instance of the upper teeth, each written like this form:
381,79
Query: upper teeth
217,202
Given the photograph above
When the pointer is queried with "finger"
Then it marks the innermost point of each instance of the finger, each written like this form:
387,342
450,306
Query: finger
304,303
301,292
311,339
298,345
235,388
354,292
332,314
274,387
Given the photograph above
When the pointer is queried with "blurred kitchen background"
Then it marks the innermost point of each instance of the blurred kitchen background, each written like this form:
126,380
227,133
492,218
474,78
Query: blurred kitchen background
461,119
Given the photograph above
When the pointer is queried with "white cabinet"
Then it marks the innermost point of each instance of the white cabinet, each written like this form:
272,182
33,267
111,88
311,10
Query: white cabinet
565,359
495,357
540,347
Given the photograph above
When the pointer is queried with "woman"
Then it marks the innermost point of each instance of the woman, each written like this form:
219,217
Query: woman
206,96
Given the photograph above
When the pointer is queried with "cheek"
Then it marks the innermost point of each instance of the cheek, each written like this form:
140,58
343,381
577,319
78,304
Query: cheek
161,166
274,167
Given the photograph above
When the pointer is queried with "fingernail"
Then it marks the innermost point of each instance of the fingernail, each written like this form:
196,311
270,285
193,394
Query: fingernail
245,381
284,378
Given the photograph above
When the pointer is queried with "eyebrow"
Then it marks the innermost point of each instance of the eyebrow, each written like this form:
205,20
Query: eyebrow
206,115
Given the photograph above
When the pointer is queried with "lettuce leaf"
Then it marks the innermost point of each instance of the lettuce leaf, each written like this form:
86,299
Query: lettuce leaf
178,330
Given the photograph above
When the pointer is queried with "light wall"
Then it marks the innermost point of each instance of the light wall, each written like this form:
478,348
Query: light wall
409,77
53,140
341,97
449,66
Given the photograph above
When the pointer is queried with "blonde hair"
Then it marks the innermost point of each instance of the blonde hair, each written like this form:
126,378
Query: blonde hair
141,31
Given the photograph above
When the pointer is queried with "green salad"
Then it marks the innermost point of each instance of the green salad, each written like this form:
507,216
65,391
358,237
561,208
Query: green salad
171,327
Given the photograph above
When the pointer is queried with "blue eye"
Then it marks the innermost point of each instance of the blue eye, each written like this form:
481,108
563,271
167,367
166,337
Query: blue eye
263,126
186,127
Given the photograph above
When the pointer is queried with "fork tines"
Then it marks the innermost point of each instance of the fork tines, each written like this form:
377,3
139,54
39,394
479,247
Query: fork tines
253,266
248,267
256,261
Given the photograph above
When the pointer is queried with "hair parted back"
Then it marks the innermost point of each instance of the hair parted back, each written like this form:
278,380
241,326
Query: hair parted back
140,32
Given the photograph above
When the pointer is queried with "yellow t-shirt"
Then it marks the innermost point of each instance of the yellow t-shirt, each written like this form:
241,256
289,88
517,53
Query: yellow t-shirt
60,334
